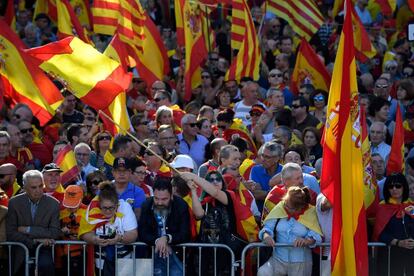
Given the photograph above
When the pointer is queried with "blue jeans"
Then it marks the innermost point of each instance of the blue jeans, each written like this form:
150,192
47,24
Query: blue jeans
175,265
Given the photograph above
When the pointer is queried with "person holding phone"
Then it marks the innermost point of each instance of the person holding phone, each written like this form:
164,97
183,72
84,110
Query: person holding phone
395,226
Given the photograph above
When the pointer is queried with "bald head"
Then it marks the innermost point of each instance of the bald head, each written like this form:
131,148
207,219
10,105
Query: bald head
8,168
8,173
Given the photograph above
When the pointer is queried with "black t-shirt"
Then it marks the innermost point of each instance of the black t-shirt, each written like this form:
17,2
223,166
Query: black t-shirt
75,118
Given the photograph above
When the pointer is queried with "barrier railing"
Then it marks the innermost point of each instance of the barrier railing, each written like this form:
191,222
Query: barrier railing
321,246
185,247
10,259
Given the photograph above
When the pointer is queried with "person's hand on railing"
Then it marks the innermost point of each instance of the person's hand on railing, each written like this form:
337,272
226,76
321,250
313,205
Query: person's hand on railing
407,243
268,240
161,247
45,242
101,242
115,240
301,242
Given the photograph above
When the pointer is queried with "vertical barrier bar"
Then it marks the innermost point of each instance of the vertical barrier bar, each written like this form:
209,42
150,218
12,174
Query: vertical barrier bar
134,265
389,261
100,260
153,258
215,261
68,261
184,260
320,259
168,265
116,260
199,260
84,259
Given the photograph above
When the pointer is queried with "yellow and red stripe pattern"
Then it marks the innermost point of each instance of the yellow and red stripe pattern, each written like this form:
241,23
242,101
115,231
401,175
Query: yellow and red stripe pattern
179,21
23,81
105,14
10,15
238,24
46,6
68,22
309,66
302,15
247,61
66,161
396,159
363,46
342,171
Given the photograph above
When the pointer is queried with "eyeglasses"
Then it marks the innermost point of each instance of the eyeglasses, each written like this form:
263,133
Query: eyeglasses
396,186
255,114
275,75
296,106
192,124
381,86
26,130
108,208
319,98
140,172
268,156
214,179
159,99
144,123
167,138
104,138
205,77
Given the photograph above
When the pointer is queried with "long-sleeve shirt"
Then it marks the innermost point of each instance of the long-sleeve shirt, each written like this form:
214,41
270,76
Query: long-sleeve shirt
287,231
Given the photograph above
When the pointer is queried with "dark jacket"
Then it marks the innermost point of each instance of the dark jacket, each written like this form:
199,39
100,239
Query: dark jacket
177,225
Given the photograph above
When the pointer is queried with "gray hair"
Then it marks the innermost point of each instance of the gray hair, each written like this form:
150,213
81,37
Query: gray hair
273,147
272,91
384,127
288,169
286,131
226,151
5,134
30,175
82,145
186,118
318,166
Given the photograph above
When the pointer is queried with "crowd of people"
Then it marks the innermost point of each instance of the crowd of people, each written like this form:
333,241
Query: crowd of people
238,163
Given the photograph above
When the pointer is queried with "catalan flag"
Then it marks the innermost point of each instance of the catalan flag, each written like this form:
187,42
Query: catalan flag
302,15
105,14
342,171
84,71
68,22
396,159
195,48
371,191
66,160
23,81
238,24
309,67
247,61
363,46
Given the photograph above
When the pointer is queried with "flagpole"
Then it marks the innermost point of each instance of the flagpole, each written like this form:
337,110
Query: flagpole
208,28
259,32
138,141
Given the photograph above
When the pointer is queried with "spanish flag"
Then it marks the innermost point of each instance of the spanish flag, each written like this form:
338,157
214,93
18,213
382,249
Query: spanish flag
46,6
89,75
82,11
247,61
66,160
179,21
23,81
68,22
396,160
363,46
195,47
309,67
238,128
342,172
10,15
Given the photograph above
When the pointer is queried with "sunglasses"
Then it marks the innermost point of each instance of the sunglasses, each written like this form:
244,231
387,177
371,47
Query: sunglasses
381,85
205,77
104,138
110,208
192,124
90,118
159,99
26,130
137,81
296,106
319,98
143,123
96,182
255,114
214,179
396,186
3,175
275,75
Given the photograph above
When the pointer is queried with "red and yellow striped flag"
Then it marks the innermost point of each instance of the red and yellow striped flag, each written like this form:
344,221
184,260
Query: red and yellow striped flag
23,81
342,171
363,46
179,21
195,48
10,15
105,14
247,61
310,67
238,24
88,74
396,160
68,23
387,6
302,15
66,160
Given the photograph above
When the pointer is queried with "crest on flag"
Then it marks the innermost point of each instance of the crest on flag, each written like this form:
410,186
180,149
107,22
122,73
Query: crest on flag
193,22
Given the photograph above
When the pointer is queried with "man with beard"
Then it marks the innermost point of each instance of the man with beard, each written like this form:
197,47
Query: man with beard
8,181
165,221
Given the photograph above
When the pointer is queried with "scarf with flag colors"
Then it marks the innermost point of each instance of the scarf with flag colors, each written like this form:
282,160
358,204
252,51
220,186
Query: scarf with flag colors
237,127
342,170
59,193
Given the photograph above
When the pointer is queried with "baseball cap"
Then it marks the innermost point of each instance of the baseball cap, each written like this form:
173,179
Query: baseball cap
182,161
257,109
121,162
73,196
51,167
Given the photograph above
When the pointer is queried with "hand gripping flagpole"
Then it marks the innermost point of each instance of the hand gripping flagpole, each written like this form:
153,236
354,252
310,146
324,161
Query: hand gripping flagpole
138,141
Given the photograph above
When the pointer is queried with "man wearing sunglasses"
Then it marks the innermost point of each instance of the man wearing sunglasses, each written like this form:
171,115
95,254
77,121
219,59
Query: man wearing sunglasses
382,89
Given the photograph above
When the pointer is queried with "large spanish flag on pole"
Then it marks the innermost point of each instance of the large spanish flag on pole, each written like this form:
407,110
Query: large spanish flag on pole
396,160
23,81
342,171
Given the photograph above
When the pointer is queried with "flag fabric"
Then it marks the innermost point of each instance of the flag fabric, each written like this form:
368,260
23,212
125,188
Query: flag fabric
387,6
371,191
303,16
238,24
411,4
396,159
364,49
309,67
68,23
10,15
237,127
88,74
66,160
337,7
47,7
179,21
23,81
117,51
247,61
195,48
105,14
82,12
342,171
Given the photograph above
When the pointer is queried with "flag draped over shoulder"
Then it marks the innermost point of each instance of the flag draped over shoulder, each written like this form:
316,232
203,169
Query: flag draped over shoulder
342,171
302,15
23,81
247,61
66,160
396,159
309,67
364,49
195,47
89,75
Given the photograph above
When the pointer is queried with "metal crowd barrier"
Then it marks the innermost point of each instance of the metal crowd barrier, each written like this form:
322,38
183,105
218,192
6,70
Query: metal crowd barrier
10,259
185,247
258,245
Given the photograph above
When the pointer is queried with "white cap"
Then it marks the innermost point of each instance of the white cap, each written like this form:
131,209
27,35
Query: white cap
182,161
